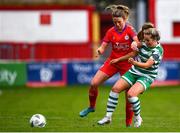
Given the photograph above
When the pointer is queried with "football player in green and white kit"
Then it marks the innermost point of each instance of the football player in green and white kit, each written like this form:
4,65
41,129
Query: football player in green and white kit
139,77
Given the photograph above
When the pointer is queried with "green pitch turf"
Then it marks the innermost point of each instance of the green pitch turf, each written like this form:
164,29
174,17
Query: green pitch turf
160,110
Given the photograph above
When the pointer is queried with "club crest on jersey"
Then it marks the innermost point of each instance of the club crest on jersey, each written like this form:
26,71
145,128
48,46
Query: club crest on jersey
126,37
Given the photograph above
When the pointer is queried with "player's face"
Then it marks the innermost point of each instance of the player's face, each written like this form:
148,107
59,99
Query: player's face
145,33
119,22
148,40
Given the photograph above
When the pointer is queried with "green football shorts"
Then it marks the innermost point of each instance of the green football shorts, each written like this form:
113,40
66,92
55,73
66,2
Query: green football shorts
132,79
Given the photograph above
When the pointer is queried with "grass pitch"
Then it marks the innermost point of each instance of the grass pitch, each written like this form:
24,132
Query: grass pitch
159,109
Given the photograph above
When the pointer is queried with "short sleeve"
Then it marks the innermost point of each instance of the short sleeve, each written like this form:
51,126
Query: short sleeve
132,32
107,37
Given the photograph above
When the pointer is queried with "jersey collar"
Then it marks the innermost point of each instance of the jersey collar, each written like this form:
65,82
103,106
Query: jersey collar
121,31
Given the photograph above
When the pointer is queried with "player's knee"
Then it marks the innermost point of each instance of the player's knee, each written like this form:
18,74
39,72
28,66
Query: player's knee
115,89
131,93
94,84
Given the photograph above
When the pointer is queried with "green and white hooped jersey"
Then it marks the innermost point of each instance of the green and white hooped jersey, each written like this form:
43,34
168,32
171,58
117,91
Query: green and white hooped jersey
144,54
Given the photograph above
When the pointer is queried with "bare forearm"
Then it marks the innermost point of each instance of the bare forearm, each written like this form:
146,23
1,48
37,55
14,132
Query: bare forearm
127,56
142,65
102,48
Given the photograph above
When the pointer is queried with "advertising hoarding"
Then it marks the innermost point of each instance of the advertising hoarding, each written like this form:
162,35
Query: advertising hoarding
46,74
12,74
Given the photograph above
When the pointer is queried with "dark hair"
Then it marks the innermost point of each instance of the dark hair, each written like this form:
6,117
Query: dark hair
119,11
145,26
154,33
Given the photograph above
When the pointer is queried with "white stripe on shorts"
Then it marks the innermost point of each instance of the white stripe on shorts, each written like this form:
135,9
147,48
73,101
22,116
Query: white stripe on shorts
145,87
127,80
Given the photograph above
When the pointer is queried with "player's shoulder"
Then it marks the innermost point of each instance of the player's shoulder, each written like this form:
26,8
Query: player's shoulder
159,48
129,24
130,27
111,29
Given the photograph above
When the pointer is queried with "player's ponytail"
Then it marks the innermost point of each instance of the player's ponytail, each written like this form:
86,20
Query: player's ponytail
110,7
124,8
119,11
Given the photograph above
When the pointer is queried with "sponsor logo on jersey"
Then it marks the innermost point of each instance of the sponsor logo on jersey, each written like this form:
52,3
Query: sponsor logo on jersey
122,46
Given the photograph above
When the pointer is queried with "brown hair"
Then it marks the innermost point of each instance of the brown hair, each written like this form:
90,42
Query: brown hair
154,33
119,11
145,26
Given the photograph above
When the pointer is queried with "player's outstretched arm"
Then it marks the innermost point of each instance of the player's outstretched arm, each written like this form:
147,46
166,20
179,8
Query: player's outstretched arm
123,58
145,65
101,49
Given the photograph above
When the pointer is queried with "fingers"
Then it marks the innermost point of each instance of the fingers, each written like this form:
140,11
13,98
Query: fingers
111,62
98,52
130,60
134,46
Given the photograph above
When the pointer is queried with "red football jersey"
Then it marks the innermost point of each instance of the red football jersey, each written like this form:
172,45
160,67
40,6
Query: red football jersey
120,41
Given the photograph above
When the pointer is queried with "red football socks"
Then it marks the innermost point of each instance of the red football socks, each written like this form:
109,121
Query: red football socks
93,93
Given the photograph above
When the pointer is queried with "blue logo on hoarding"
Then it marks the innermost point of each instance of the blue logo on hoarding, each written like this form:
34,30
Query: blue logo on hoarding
45,72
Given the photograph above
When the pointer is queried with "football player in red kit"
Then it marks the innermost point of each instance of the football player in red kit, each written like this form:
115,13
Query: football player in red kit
120,37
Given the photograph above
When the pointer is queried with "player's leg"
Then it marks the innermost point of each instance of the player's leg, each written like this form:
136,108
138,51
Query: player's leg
105,72
119,86
129,111
128,106
133,93
140,86
98,79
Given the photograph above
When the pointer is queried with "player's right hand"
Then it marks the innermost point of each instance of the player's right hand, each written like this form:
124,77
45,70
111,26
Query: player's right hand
98,52
113,61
